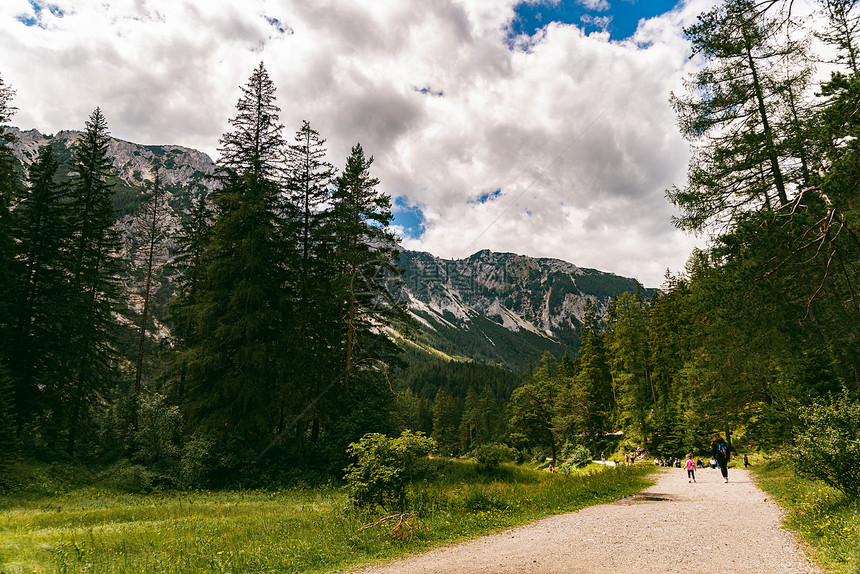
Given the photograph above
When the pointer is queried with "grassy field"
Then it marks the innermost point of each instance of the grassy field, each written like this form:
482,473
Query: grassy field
99,529
821,516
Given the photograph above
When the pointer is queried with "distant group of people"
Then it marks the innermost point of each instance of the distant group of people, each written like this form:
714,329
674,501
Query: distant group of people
720,457
669,462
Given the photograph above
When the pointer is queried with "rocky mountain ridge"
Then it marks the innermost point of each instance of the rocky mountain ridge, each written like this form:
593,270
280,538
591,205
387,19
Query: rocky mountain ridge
514,306
134,163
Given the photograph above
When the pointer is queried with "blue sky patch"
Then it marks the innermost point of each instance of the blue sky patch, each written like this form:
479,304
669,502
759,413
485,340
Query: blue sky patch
27,20
485,197
409,217
279,26
35,19
427,91
618,17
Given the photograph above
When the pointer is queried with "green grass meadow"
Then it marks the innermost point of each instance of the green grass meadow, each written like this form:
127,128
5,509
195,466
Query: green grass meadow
823,518
95,528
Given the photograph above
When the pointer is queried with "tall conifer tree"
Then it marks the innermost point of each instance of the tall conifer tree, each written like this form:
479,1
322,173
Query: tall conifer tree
592,382
844,31
627,344
149,257
44,240
737,114
94,269
364,253
309,187
238,353
9,189
194,226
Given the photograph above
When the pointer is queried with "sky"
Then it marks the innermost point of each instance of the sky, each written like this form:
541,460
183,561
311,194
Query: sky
541,128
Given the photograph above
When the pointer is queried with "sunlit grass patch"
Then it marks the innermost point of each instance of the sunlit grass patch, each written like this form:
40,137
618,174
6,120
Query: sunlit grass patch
301,530
822,516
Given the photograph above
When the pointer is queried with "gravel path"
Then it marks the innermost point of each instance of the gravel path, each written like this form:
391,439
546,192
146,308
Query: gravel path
708,527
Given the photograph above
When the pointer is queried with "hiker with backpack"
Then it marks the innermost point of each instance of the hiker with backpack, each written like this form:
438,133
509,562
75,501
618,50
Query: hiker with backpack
720,450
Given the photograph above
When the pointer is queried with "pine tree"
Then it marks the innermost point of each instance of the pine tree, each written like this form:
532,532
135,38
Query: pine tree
364,256
737,114
236,356
94,268
43,291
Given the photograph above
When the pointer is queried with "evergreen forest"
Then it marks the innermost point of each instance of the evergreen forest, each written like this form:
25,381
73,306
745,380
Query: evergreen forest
282,349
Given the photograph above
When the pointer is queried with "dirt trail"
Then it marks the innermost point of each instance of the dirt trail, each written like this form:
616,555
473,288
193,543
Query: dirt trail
672,527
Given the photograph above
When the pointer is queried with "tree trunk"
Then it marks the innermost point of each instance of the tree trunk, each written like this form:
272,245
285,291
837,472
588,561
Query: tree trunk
768,133
152,230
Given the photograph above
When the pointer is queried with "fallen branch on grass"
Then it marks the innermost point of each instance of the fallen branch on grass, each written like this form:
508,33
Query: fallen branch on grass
404,524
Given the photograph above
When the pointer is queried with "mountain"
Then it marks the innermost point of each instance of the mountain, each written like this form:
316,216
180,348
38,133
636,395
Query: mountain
499,308
503,308
183,171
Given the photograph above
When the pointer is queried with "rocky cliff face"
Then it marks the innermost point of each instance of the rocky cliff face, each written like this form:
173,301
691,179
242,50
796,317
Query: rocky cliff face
504,307
134,163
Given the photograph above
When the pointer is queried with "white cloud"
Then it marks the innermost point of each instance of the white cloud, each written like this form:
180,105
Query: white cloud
601,22
575,130
597,5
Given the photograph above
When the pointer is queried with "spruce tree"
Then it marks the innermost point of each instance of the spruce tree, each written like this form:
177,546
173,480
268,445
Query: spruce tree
627,345
9,190
94,268
43,291
309,187
364,256
592,383
237,353
194,226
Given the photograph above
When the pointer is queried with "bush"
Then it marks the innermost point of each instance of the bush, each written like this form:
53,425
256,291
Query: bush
195,462
828,445
384,468
493,454
579,457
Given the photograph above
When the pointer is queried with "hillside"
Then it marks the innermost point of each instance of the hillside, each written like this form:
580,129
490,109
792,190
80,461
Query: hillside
503,308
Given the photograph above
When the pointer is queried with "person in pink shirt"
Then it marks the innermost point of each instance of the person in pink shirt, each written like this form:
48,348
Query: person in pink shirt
690,467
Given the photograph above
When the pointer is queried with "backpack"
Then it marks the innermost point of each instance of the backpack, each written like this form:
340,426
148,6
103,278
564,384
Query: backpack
722,448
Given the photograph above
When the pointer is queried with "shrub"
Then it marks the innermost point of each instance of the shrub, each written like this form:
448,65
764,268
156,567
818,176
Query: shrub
493,454
384,468
196,461
580,457
828,445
